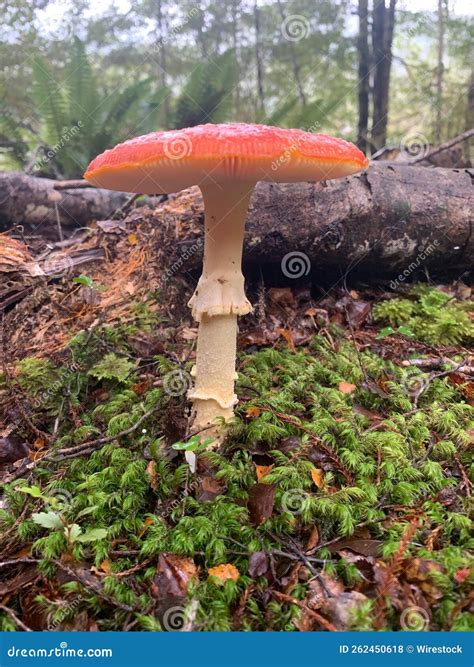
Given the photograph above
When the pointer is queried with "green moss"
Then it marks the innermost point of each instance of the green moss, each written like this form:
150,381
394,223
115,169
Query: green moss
433,316
377,471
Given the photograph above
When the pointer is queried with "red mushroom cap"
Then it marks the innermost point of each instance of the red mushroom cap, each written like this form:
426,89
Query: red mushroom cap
162,162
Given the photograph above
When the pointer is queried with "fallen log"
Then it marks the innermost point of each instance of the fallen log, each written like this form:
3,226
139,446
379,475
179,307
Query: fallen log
392,221
37,204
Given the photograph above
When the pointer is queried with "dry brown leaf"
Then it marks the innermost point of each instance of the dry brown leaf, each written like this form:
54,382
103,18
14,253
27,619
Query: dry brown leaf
366,547
253,412
210,488
346,387
225,572
258,563
146,524
260,503
262,471
132,239
313,539
340,610
317,475
102,570
152,475
173,576
288,336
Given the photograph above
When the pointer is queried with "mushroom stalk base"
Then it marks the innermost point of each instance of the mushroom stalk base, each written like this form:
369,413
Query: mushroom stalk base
218,300
213,395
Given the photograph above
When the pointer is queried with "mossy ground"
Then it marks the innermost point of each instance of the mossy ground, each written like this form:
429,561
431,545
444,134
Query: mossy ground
341,495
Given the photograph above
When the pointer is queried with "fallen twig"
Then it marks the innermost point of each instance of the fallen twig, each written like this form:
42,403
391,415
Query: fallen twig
15,618
72,184
444,147
79,450
283,597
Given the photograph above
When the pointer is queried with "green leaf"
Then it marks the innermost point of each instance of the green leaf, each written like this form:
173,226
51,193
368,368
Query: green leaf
49,97
73,532
93,535
193,444
34,491
386,331
86,510
48,520
84,280
406,331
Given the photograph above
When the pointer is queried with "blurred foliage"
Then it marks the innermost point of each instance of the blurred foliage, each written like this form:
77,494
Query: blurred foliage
162,64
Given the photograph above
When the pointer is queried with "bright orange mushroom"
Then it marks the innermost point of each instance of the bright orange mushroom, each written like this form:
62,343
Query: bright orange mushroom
225,161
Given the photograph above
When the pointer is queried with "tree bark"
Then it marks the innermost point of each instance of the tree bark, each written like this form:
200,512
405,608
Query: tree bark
374,225
258,59
161,30
469,115
440,70
363,74
383,23
36,204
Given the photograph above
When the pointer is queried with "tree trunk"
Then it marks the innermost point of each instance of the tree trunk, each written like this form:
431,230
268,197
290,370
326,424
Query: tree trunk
258,59
383,23
363,81
235,45
469,116
201,33
161,42
440,71
38,206
380,224
294,61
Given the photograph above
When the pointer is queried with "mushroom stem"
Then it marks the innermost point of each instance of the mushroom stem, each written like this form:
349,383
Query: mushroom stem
218,300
